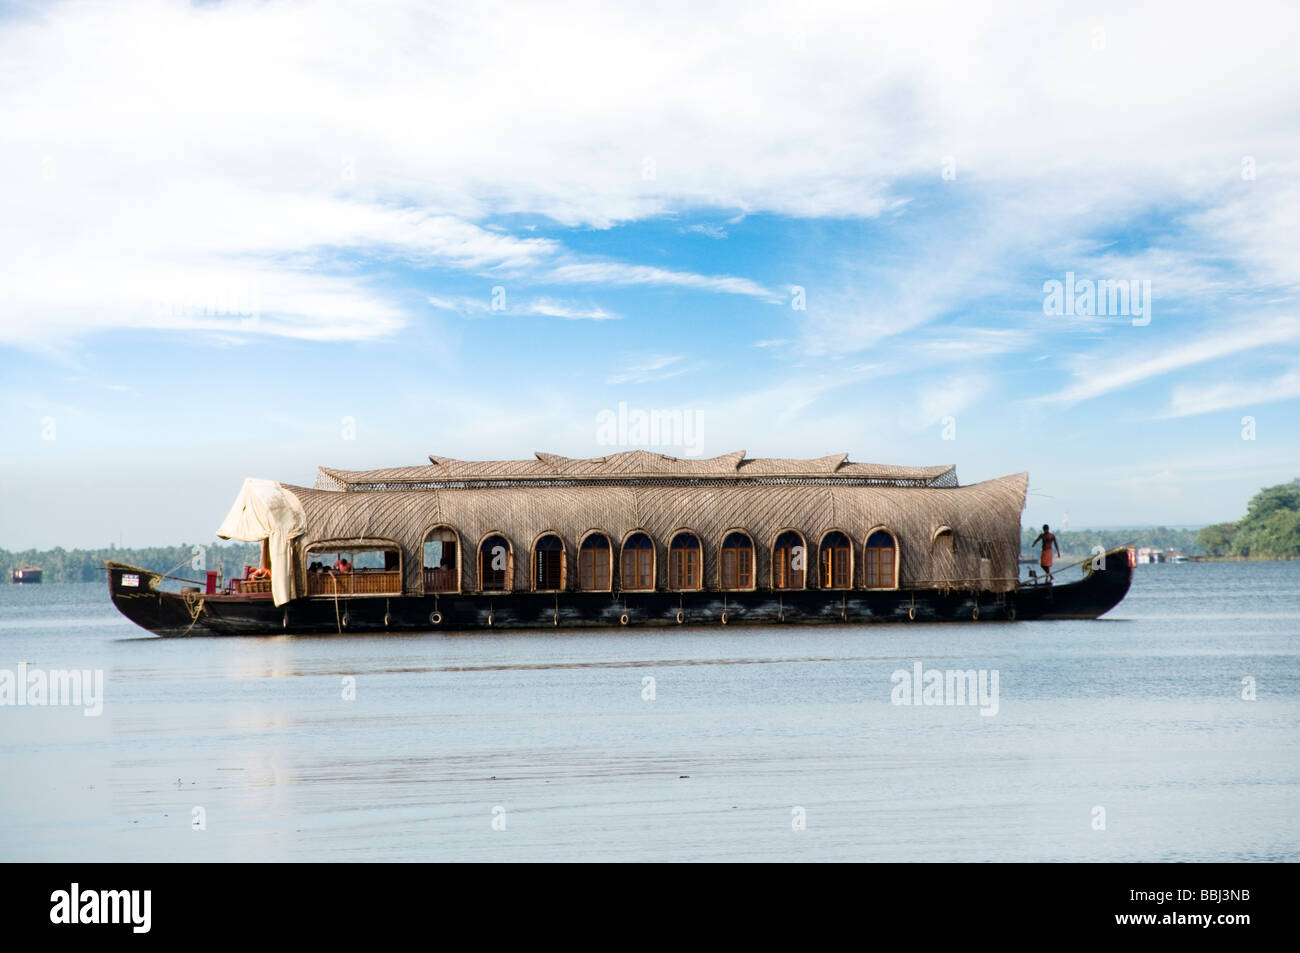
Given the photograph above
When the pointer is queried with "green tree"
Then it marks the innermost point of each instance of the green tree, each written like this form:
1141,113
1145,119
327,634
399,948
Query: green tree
1271,527
1076,544
1216,540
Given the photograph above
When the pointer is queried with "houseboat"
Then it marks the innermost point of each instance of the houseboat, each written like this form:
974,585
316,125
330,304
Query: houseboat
26,575
631,539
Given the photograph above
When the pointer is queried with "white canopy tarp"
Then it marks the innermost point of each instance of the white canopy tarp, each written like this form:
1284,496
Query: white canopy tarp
266,510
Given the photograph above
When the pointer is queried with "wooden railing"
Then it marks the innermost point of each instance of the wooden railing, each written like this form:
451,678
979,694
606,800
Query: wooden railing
440,580
359,582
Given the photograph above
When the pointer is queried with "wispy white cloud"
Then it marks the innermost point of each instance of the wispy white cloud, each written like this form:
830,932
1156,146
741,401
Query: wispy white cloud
653,368
548,307
63,297
1096,375
708,231
1253,225
1205,397
615,273
461,305
939,399
570,312
956,343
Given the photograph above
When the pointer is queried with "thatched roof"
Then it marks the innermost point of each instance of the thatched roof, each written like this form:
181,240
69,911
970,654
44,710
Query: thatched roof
632,466
809,496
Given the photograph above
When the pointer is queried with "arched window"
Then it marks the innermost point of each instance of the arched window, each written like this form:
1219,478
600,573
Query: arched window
548,564
836,561
496,564
789,561
638,568
595,563
684,561
881,561
737,561
442,560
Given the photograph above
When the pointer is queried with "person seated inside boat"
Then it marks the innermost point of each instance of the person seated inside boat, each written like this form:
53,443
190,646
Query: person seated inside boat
1049,541
390,561
342,565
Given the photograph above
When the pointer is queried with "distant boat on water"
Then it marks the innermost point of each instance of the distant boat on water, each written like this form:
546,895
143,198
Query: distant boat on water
1148,555
26,575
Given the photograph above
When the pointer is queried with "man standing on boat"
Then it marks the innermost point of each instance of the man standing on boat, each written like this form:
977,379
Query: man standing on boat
1049,541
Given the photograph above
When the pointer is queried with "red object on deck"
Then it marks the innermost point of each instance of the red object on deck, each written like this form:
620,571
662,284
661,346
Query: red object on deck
211,589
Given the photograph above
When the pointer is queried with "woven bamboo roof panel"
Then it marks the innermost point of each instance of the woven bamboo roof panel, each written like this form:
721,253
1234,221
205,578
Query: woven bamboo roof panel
984,517
633,466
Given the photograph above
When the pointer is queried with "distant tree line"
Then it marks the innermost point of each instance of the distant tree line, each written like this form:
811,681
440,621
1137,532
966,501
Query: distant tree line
1076,544
85,565
1269,530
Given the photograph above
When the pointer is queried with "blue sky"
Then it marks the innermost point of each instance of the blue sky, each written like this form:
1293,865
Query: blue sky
250,238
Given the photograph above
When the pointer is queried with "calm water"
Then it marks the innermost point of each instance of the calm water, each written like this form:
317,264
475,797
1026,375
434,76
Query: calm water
1140,714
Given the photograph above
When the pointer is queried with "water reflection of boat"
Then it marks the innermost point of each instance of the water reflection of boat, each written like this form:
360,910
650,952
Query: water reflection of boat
630,539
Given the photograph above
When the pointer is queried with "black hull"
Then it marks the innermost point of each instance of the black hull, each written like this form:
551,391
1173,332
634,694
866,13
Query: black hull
173,614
